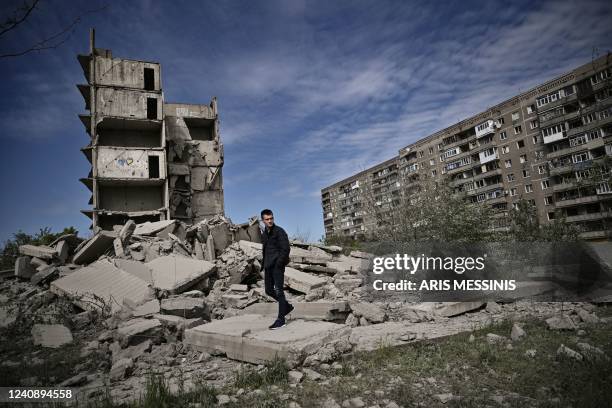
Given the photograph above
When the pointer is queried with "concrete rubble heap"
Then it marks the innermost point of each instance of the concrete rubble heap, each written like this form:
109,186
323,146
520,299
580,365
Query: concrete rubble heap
168,291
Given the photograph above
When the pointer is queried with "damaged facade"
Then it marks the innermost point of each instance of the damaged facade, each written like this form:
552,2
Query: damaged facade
150,160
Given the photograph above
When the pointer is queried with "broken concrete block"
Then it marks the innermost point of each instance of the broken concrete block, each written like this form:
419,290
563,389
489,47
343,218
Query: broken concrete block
221,235
247,338
135,268
121,369
100,282
40,251
94,248
132,352
347,283
314,268
51,335
330,311
45,275
449,309
178,169
301,281
561,322
237,301
361,254
148,308
23,268
239,288
209,251
61,250
118,245
38,263
152,228
177,274
187,307
178,322
517,332
370,311
137,330
564,351
251,249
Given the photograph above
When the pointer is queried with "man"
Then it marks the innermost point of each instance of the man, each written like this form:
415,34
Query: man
275,258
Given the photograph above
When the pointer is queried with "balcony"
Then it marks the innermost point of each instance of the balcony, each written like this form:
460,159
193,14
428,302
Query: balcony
589,217
591,144
488,155
485,128
576,201
564,186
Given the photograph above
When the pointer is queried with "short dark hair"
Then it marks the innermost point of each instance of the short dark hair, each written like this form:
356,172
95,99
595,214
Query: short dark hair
266,212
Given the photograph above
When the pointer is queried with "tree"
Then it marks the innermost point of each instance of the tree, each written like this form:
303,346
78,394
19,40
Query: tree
525,226
22,13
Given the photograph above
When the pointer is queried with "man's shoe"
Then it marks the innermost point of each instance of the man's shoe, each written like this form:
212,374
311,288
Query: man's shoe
289,309
278,323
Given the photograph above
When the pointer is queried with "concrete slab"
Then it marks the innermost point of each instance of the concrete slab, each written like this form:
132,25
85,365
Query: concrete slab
51,335
179,322
102,280
149,308
152,228
176,274
94,248
138,330
61,250
136,268
302,281
247,338
449,309
23,268
38,251
187,307
328,311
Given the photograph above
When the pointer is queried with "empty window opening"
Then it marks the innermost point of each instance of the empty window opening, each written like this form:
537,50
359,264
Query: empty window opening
149,79
153,167
151,108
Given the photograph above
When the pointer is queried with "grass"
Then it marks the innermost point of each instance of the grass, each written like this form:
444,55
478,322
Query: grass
413,374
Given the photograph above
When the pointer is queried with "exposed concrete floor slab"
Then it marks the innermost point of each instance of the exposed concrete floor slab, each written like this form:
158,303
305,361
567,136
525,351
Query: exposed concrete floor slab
177,274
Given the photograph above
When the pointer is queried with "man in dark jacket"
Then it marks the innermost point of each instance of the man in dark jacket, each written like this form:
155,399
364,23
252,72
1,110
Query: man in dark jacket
275,258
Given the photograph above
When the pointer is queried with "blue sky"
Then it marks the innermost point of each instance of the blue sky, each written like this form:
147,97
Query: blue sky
309,92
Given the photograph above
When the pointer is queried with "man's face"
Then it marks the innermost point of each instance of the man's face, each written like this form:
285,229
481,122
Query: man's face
268,220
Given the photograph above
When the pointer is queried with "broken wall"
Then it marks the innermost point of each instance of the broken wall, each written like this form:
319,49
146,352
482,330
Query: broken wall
195,161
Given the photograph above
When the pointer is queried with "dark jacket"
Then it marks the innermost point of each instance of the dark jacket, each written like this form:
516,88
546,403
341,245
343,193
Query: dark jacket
275,247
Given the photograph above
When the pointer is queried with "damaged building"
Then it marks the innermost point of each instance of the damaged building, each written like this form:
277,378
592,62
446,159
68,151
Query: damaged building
150,160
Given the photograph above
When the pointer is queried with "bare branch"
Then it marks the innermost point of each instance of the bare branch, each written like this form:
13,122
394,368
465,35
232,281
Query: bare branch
11,23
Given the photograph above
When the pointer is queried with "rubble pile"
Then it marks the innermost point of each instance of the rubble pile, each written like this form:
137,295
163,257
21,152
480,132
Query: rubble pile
169,296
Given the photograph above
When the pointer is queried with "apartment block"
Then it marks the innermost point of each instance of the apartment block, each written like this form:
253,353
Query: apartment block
538,146
150,160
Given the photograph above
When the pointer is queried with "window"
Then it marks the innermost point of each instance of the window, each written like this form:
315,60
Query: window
523,158
546,99
548,200
500,121
534,139
533,124
505,149
151,108
530,109
508,163
433,173
520,144
421,153
528,188
518,129
153,166
515,116
503,135
149,79
541,169
551,215
580,157
601,76
510,176
545,184
526,173
513,192
431,150
432,162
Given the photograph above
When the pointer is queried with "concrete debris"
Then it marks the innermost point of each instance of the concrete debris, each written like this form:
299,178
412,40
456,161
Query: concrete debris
94,248
370,311
102,285
186,307
329,311
138,330
592,353
517,332
51,335
564,351
121,369
40,251
152,228
148,308
23,268
496,339
176,274
493,308
301,281
587,317
561,322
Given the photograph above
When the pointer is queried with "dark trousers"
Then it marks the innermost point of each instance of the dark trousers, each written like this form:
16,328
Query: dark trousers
274,279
